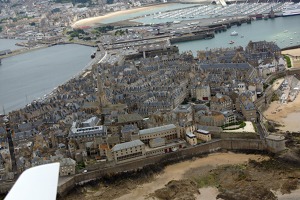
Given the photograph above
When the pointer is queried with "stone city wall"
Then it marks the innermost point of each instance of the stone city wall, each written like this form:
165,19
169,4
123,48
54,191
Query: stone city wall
229,144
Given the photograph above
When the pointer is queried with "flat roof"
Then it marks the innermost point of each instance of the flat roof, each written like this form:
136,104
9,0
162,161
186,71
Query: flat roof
157,129
190,135
203,131
129,118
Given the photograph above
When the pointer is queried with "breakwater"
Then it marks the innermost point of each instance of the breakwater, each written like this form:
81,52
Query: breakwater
190,37
213,146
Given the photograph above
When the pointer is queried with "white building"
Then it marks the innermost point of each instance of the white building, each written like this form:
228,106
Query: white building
191,138
203,135
87,133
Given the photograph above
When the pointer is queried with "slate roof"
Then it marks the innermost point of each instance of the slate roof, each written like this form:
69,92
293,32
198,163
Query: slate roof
226,65
127,145
157,129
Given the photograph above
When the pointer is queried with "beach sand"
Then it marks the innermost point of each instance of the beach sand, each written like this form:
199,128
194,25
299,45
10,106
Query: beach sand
92,21
293,54
177,171
287,114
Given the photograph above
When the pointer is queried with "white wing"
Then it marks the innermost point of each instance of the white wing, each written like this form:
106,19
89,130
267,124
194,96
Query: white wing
37,183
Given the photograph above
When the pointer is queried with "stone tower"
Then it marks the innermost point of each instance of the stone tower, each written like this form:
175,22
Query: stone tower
103,102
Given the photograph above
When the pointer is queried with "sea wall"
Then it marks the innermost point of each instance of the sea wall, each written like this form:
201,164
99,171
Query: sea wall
245,135
228,144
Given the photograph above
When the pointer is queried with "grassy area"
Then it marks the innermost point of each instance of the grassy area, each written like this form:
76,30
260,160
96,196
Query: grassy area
207,180
288,61
255,127
240,123
274,97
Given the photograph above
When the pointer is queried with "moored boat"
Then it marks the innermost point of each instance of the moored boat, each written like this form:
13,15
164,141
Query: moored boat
234,33
293,9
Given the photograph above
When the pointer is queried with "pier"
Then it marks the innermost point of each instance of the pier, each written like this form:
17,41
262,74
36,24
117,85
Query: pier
193,36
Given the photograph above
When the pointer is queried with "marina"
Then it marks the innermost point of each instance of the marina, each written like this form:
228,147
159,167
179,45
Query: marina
280,30
212,11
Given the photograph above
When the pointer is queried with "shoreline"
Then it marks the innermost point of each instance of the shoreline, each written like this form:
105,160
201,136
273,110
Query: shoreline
28,50
53,91
179,171
92,21
284,114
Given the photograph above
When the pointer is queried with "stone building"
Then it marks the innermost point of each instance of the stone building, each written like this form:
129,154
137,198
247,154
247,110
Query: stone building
247,107
261,50
191,138
183,114
129,132
211,118
67,167
128,151
203,135
157,142
202,92
169,132
220,102
117,122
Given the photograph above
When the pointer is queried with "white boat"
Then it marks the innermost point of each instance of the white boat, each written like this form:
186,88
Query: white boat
234,33
292,9
176,22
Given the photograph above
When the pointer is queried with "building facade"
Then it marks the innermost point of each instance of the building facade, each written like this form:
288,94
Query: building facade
128,151
169,132
67,167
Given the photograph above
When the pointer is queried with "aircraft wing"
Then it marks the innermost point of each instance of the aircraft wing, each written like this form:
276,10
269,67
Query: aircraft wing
37,183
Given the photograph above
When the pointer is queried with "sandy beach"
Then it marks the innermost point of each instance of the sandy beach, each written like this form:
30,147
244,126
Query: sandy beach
286,114
294,54
177,171
96,20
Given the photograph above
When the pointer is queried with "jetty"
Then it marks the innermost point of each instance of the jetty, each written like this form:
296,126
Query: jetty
5,52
